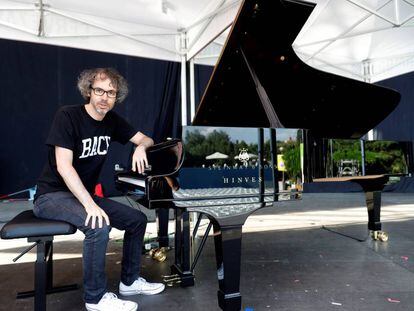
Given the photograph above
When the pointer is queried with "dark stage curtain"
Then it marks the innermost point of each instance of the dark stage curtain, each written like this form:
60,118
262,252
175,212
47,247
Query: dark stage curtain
37,79
399,124
158,115
202,75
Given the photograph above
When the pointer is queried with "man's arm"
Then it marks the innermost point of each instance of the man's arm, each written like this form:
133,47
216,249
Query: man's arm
64,160
139,158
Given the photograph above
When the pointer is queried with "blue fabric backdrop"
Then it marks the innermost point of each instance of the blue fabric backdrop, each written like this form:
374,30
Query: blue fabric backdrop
36,79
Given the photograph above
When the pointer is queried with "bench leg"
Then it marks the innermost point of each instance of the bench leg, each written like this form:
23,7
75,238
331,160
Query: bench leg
43,281
41,276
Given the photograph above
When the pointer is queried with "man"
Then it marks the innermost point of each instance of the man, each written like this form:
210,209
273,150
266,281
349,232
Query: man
77,146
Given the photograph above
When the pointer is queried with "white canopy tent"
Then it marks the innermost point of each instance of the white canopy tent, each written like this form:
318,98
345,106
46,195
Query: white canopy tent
217,156
366,40
161,29
174,30
369,40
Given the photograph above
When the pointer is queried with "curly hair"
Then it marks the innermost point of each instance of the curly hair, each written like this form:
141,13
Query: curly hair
88,76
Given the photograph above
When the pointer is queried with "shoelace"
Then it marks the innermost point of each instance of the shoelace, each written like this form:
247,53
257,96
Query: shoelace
142,280
109,296
112,298
145,283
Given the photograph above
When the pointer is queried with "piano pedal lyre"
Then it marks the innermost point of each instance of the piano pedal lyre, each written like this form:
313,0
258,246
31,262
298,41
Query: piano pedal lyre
379,235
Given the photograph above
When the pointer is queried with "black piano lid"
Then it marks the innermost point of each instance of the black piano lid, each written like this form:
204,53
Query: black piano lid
259,53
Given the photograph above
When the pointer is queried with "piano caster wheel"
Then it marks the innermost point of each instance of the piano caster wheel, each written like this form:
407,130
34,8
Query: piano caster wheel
379,235
159,254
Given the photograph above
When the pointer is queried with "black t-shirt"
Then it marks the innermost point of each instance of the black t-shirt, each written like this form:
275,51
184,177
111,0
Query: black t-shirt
73,128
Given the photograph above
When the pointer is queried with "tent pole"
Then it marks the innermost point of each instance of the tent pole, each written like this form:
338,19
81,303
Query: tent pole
183,81
41,30
397,12
192,89
362,142
367,69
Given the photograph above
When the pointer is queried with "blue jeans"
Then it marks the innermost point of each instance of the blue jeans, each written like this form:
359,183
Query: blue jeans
64,206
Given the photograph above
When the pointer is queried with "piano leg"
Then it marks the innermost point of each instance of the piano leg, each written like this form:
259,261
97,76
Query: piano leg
186,241
162,226
178,236
181,268
373,201
227,241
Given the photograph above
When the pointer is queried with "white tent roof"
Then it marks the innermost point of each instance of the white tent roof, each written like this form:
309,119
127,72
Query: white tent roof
161,29
217,155
368,40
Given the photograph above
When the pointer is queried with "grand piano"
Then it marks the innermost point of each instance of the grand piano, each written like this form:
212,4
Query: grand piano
261,88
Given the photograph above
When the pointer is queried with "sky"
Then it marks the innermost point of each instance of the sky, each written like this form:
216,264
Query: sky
249,135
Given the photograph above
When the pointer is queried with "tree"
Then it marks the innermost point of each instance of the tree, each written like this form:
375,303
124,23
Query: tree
380,156
291,158
198,146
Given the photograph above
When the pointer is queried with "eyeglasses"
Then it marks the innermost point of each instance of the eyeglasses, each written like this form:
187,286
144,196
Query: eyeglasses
98,91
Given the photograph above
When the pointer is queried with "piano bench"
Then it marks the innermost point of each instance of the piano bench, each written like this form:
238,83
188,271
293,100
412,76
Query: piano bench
41,232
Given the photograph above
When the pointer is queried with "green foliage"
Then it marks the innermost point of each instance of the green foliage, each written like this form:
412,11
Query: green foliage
291,157
380,156
198,146
346,150
384,157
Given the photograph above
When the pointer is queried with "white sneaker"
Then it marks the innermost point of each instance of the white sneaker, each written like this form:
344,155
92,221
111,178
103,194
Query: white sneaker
140,286
110,302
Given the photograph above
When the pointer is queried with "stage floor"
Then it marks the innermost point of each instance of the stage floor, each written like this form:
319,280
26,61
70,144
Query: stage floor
289,261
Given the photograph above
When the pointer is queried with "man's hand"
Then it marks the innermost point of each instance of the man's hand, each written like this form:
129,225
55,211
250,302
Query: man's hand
139,159
96,213
64,159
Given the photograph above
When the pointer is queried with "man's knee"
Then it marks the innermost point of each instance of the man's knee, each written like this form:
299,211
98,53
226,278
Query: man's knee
98,234
137,220
140,217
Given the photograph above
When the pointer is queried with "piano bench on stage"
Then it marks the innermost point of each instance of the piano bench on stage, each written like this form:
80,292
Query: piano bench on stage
41,232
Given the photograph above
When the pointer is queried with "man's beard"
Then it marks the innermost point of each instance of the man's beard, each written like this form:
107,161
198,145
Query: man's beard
103,111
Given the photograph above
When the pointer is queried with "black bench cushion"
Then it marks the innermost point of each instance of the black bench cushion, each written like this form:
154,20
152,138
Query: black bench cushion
26,224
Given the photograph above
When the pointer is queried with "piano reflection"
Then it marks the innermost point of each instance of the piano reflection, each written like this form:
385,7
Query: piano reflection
260,87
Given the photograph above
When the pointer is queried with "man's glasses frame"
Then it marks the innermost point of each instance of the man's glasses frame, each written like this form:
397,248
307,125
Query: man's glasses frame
99,92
